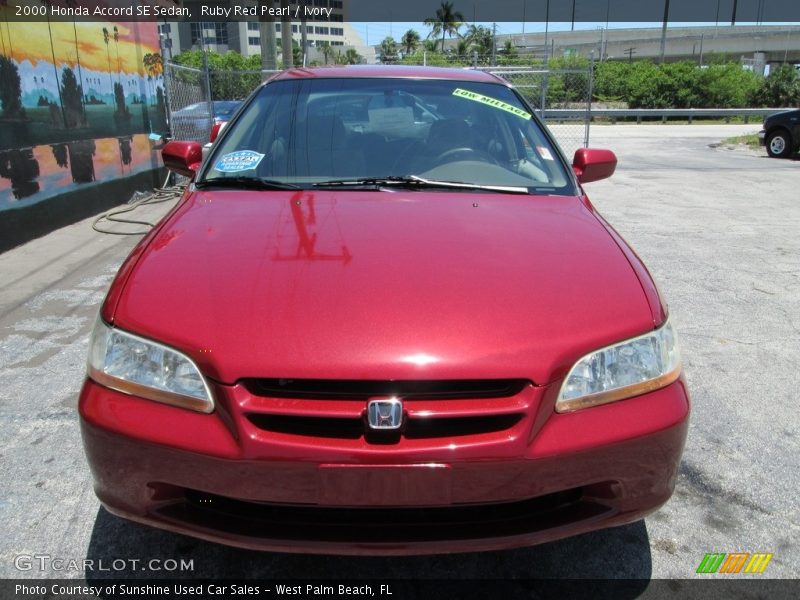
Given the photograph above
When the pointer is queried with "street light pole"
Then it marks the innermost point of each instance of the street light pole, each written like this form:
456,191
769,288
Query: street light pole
664,31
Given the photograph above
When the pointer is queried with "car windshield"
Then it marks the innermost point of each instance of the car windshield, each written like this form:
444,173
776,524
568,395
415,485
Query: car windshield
225,108
373,132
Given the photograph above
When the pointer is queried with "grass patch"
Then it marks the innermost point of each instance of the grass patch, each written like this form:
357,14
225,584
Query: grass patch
751,141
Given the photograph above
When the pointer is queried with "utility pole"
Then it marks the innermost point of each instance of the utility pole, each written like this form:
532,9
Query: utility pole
303,35
701,49
494,44
602,35
267,38
664,31
546,31
573,16
286,35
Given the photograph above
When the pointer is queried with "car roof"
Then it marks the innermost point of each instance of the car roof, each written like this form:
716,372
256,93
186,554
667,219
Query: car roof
384,71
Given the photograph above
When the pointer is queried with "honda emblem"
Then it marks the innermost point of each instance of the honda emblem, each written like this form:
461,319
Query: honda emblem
385,413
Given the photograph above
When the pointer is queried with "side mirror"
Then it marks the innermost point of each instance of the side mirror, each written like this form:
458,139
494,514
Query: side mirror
215,131
183,158
592,164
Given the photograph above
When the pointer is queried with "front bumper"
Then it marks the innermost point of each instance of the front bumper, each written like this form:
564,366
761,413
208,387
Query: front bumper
549,477
762,137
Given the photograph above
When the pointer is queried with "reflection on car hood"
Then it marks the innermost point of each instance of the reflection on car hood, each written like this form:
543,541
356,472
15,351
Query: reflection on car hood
383,285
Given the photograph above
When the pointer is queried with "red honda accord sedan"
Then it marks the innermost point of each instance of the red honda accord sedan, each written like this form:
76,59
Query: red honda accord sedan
384,318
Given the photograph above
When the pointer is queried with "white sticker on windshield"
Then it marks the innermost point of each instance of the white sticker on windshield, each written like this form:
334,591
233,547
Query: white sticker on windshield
544,153
241,160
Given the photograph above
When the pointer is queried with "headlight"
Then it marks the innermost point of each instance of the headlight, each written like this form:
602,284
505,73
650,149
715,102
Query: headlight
134,365
636,366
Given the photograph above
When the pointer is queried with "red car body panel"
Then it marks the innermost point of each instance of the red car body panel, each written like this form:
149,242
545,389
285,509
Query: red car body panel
519,271
623,457
395,72
265,288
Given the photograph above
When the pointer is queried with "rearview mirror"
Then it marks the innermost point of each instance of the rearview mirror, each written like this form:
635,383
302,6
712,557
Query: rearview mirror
183,158
592,164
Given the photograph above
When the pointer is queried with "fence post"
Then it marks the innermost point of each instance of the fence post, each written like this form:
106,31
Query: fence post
589,102
207,72
168,74
545,77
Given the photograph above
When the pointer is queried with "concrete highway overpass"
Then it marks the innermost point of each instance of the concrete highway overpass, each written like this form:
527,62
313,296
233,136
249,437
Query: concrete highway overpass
764,44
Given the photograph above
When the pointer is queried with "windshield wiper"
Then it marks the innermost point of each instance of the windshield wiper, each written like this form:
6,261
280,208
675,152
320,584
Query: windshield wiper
251,183
414,181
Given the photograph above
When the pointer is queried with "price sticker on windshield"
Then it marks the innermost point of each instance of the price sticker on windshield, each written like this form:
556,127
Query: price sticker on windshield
489,101
242,160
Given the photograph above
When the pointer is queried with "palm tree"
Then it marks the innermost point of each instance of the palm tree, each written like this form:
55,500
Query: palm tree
462,47
326,49
388,50
510,50
480,39
446,21
352,57
429,45
410,41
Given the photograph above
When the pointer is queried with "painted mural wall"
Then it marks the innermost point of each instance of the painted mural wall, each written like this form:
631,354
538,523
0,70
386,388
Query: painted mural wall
77,102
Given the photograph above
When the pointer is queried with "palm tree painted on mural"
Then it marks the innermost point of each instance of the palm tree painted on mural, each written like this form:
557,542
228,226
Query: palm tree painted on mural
8,49
154,66
446,21
116,44
106,38
47,3
74,4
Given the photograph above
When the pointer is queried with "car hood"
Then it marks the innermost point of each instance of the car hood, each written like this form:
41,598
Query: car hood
382,285
785,114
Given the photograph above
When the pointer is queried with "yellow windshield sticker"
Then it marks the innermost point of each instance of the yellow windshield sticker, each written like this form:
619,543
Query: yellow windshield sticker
491,102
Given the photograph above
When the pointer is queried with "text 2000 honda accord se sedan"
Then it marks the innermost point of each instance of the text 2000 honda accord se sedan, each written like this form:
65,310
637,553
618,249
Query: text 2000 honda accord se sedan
384,318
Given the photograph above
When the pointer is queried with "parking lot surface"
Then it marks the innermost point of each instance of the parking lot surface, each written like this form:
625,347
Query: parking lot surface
719,230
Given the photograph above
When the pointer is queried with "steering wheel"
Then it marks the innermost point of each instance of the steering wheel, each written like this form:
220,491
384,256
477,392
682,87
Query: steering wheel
467,153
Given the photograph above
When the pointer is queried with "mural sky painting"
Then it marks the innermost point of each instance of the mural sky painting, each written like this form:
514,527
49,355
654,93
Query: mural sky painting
65,83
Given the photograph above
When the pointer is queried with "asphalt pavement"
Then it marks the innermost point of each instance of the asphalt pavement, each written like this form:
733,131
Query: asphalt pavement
719,230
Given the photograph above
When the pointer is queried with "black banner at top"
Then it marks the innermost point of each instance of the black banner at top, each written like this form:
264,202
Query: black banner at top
723,12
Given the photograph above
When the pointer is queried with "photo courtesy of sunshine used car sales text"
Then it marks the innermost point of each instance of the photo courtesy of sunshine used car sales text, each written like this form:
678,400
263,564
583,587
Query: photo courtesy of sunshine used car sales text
181,590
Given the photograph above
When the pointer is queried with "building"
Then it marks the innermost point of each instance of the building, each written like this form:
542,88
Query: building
244,37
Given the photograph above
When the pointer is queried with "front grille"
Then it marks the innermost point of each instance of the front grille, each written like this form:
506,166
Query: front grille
387,525
336,409
343,428
346,389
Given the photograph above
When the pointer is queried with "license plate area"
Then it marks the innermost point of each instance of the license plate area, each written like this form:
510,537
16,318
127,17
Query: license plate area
385,485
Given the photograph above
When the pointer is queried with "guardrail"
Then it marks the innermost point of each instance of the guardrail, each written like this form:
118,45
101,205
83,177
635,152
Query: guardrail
613,114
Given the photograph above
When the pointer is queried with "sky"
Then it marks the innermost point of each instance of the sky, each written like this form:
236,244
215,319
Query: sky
374,33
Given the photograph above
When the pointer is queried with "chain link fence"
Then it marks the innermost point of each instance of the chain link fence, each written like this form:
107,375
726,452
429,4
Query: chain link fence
194,97
188,102
192,94
548,90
